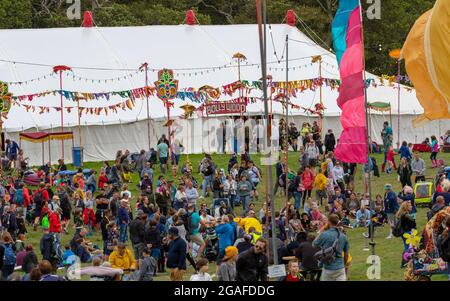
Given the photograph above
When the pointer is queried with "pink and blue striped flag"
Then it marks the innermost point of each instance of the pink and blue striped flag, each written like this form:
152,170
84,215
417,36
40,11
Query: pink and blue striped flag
347,40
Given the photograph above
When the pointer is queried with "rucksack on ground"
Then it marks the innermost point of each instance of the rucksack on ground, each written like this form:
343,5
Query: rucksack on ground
9,257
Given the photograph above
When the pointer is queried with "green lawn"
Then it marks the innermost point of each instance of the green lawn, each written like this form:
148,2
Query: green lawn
389,251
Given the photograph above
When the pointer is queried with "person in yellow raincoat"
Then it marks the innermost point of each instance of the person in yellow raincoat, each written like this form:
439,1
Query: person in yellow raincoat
122,258
320,185
249,222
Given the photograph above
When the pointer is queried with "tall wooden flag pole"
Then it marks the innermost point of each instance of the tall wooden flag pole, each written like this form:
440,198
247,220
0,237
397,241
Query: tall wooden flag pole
60,69
261,6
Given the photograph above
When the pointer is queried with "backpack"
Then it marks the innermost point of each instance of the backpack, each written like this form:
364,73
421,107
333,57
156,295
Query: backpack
18,197
38,199
397,230
328,255
45,222
444,248
9,258
189,226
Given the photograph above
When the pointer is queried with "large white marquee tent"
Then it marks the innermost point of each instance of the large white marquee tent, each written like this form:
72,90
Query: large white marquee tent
199,55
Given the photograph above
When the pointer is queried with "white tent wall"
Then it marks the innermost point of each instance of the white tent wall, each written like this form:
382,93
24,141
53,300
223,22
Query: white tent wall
102,142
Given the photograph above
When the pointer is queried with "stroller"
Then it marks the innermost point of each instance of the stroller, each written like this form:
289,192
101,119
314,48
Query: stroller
215,208
212,244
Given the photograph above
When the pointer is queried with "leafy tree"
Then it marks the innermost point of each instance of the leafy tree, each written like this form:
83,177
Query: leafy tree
315,18
15,14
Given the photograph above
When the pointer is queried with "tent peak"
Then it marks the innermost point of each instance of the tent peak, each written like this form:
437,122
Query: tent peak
290,17
87,19
191,19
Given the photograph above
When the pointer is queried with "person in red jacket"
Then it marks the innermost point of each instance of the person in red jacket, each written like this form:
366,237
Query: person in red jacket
307,181
26,201
54,219
102,180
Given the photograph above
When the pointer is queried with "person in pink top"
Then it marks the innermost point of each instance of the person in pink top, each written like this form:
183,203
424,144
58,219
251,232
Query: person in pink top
307,181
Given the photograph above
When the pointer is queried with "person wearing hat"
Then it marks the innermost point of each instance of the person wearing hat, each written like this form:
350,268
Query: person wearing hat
227,269
225,233
176,255
390,207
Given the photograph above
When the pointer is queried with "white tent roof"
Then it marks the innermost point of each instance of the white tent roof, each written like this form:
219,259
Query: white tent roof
174,47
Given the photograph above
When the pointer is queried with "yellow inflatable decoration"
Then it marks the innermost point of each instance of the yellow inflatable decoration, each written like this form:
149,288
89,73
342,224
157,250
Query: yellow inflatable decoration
427,58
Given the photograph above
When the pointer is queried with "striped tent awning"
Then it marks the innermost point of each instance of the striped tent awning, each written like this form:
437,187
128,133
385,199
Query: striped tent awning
38,137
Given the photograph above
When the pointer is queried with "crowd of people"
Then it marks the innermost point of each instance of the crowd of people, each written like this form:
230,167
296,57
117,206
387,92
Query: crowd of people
168,226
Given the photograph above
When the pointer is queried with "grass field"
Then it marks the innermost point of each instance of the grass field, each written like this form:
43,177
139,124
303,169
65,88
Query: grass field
389,251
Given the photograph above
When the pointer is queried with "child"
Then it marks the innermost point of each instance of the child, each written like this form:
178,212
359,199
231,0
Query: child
88,212
202,268
125,190
102,180
21,228
434,151
68,256
20,243
112,240
90,182
78,219
308,205
294,272
229,188
390,159
379,200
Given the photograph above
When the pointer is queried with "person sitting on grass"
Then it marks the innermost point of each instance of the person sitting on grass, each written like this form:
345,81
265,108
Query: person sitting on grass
46,269
363,217
68,256
122,258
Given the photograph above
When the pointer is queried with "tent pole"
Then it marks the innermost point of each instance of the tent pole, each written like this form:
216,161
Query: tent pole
287,128
79,132
263,49
146,96
321,100
371,203
62,111
42,150
49,152
398,104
